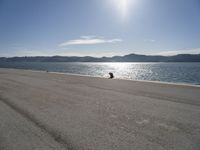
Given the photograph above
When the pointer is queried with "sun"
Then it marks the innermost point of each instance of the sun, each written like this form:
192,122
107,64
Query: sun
122,6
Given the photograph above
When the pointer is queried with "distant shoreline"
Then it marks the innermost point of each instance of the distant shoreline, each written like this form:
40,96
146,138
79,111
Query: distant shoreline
95,62
125,58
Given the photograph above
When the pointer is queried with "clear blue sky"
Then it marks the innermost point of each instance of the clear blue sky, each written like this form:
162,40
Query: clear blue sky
99,27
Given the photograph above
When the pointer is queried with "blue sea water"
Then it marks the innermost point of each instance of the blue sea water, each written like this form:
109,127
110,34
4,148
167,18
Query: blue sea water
168,72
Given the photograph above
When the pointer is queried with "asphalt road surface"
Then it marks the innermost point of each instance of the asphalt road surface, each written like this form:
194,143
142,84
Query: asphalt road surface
44,111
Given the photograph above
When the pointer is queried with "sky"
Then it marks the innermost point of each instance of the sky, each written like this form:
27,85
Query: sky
99,27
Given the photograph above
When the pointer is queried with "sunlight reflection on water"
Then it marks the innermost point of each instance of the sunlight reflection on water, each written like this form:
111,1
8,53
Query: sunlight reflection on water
168,72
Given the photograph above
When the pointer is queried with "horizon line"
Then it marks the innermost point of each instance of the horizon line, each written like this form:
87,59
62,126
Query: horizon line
104,56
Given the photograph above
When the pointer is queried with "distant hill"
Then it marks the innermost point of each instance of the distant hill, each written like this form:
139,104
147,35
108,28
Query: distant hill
126,58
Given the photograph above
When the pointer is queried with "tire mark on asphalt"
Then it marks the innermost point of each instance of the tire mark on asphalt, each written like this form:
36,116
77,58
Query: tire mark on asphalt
50,131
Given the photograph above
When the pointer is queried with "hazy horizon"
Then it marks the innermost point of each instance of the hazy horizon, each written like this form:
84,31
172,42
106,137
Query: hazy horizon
99,56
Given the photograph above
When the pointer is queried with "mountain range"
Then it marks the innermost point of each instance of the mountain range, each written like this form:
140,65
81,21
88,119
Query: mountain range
125,58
